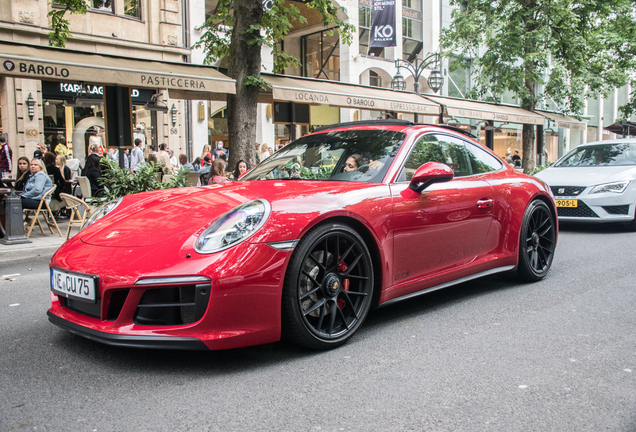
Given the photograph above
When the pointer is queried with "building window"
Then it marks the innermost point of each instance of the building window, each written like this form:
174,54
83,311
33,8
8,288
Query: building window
375,79
103,5
320,53
132,8
364,30
411,29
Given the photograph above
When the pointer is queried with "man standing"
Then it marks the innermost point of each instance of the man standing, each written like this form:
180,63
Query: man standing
164,158
6,158
219,150
137,156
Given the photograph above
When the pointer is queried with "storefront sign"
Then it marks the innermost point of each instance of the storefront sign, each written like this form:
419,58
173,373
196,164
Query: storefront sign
68,91
411,14
569,125
494,116
383,26
115,75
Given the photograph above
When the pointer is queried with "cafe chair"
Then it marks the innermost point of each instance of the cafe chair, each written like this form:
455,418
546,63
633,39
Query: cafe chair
85,186
46,212
192,178
77,218
203,178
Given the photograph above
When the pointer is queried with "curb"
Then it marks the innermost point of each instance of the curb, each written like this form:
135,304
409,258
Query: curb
27,252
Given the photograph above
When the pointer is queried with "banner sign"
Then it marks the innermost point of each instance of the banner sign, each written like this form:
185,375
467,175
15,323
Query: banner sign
383,26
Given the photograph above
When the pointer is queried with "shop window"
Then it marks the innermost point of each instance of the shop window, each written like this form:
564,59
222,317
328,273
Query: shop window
102,5
364,30
375,80
411,38
320,54
132,8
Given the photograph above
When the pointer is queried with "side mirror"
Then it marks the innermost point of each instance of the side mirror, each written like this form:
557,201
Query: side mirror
429,173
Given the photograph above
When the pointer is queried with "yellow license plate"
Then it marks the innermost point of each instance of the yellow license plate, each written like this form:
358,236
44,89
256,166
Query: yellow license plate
566,203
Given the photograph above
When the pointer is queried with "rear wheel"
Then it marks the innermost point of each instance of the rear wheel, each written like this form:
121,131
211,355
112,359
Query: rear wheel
328,287
537,242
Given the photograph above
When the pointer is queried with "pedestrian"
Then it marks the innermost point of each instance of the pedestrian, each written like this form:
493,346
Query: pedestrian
164,159
196,165
224,159
264,152
516,159
6,158
206,152
23,173
137,156
257,151
220,150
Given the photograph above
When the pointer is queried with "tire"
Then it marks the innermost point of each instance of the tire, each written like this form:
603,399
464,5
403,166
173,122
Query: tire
537,242
328,287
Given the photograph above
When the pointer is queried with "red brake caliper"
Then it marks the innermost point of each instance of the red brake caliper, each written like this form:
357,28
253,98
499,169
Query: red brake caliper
345,285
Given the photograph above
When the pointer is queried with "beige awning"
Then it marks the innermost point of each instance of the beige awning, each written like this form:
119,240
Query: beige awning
344,95
485,111
58,64
564,121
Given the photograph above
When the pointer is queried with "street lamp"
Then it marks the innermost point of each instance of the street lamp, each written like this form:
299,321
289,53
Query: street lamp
435,79
31,106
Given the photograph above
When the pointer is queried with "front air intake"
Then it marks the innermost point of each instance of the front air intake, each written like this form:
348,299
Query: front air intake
174,305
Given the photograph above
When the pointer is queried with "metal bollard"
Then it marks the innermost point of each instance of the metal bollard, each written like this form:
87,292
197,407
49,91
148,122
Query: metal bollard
13,221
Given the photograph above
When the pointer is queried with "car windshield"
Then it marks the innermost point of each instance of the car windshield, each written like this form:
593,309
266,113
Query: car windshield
350,155
600,155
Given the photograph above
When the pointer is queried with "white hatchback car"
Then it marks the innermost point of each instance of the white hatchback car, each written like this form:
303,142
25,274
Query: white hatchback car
595,182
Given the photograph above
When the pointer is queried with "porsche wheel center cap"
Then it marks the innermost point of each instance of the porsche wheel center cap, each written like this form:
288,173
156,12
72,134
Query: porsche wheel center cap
331,285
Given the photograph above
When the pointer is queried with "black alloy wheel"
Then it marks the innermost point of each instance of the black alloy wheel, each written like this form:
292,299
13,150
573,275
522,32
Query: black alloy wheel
328,287
538,242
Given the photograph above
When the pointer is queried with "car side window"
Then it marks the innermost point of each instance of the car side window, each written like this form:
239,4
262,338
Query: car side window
480,160
436,148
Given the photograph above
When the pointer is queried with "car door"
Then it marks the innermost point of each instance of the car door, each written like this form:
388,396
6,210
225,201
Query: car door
447,225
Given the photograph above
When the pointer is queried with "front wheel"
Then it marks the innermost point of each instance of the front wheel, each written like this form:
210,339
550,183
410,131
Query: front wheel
537,242
328,287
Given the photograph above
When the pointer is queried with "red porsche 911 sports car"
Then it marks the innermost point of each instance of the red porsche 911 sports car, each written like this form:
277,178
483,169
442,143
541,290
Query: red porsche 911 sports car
353,216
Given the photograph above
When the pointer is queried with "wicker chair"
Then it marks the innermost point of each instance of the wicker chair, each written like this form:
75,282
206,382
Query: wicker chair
45,210
77,218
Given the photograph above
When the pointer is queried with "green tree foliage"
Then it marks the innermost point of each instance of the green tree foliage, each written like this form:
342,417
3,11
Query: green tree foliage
60,31
571,50
237,30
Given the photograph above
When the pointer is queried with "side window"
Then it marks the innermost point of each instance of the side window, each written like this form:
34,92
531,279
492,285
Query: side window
436,148
481,161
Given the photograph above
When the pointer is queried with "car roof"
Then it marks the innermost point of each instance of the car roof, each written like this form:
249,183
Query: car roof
404,124
614,141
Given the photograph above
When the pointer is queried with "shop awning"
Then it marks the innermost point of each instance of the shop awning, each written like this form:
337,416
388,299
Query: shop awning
58,64
485,111
563,121
317,92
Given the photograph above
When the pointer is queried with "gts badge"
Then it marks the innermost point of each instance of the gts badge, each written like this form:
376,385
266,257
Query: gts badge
400,276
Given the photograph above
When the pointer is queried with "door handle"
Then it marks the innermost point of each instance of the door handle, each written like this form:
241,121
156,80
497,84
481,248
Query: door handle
484,203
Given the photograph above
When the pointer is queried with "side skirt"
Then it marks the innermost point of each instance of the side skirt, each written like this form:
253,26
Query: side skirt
451,283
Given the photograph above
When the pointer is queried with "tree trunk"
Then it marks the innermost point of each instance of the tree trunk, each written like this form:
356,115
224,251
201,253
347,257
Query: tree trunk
244,60
528,135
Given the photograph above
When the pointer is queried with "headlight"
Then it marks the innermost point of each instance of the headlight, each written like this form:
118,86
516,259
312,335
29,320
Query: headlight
618,187
100,212
233,227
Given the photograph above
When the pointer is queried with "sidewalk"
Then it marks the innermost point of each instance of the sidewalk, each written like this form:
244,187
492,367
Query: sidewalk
46,243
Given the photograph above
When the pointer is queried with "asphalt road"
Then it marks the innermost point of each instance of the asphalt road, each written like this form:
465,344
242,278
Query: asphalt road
489,355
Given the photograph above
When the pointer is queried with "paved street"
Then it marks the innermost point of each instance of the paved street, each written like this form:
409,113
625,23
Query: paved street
489,355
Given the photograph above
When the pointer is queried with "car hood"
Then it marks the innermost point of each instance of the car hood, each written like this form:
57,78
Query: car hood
152,217
586,176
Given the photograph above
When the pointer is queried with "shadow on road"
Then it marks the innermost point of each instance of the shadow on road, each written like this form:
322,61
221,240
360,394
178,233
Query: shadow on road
591,228
160,362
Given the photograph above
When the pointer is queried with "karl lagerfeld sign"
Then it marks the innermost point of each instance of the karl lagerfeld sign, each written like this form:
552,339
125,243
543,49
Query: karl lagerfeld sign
383,27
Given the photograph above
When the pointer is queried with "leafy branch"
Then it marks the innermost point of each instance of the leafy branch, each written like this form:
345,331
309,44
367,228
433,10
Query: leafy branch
60,31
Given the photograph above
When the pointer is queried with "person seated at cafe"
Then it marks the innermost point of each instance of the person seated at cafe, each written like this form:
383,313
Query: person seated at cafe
93,172
23,173
218,173
36,186
52,170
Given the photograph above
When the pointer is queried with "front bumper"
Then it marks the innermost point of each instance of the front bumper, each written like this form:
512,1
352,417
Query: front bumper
129,341
241,308
598,208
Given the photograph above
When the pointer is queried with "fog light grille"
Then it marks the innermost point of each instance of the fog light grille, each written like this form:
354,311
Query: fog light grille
174,305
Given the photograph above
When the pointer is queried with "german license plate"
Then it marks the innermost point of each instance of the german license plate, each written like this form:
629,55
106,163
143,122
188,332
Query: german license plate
74,285
567,203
